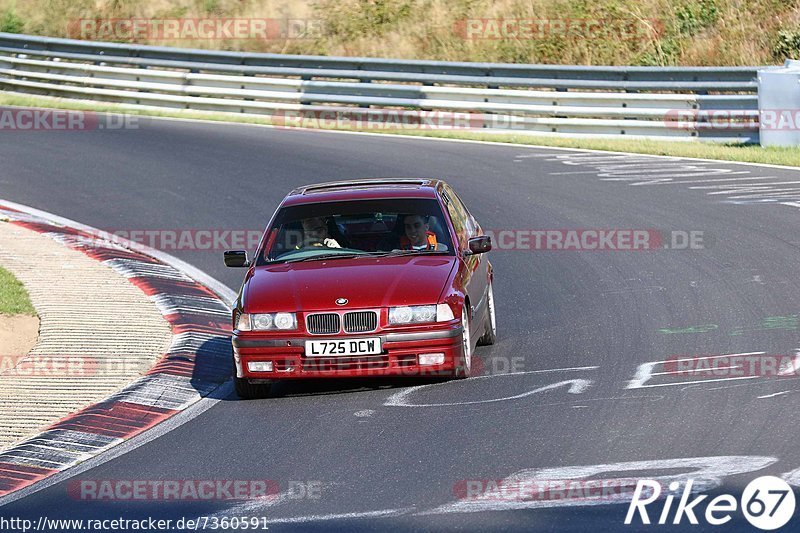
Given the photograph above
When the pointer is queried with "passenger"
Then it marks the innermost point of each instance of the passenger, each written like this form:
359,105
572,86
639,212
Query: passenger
418,235
315,233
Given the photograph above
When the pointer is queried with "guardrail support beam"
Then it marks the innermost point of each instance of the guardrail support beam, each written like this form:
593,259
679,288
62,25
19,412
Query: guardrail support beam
779,105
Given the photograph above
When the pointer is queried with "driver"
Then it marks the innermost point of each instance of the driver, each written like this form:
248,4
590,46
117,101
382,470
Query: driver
315,233
418,235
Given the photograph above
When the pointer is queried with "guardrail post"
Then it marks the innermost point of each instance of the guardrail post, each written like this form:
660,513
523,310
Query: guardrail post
779,105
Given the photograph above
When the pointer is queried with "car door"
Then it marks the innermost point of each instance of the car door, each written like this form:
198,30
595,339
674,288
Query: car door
476,272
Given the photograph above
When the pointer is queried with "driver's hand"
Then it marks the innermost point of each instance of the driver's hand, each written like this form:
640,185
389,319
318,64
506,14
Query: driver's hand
331,243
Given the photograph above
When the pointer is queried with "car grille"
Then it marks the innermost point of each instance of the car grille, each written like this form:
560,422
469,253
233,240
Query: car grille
331,323
360,321
323,323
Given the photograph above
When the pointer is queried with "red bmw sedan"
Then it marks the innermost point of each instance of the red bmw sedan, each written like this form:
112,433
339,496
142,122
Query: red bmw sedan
365,278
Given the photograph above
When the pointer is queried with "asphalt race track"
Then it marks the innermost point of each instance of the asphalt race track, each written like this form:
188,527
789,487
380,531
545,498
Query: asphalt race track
567,385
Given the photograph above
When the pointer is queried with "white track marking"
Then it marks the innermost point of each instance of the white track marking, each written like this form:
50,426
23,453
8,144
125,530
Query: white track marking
646,165
572,173
656,171
596,158
746,189
250,506
723,387
717,180
643,181
642,172
576,386
524,372
774,394
768,196
644,372
671,372
793,368
707,473
792,478
403,393
258,506
692,383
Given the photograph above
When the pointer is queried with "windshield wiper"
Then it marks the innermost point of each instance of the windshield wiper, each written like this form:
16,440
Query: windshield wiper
397,253
322,256
394,253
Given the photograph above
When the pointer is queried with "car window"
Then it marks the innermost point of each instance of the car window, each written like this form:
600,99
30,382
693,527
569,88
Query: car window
356,228
469,221
458,215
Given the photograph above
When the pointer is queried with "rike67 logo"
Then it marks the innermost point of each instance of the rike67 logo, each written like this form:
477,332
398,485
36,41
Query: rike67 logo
767,503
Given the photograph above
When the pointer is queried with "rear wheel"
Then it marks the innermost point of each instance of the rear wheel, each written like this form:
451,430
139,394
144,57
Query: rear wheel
466,341
490,328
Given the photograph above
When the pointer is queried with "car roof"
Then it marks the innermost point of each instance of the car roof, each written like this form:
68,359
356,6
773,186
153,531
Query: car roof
363,189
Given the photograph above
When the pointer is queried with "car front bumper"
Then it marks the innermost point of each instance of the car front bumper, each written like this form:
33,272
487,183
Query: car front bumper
398,358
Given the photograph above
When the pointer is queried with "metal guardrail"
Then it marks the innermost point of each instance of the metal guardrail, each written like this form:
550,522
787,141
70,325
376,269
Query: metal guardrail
664,103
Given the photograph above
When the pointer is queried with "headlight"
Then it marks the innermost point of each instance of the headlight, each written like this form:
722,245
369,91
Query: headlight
266,321
285,321
261,322
417,314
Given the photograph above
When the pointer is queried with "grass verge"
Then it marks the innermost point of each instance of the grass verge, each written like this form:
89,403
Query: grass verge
582,32
789,156
13,296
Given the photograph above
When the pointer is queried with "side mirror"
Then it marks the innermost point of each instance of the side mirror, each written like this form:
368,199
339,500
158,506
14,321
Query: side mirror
480,245
236,258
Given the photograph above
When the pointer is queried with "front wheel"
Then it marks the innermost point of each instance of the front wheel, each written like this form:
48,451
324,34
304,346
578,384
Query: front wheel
250,391
490,327
466,341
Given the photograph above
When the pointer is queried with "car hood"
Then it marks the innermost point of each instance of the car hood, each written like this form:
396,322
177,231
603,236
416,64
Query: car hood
365,282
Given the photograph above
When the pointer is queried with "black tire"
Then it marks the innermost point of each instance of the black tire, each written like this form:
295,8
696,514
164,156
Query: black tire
250,391
490,327
465,369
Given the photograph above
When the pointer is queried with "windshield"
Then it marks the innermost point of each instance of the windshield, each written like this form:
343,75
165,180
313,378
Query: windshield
356,228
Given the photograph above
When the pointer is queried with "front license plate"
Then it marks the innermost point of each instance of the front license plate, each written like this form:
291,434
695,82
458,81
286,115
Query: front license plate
334,347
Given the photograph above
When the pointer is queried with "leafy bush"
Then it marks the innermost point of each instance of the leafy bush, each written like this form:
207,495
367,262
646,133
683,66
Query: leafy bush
358,18
693,17
787,45
10,22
